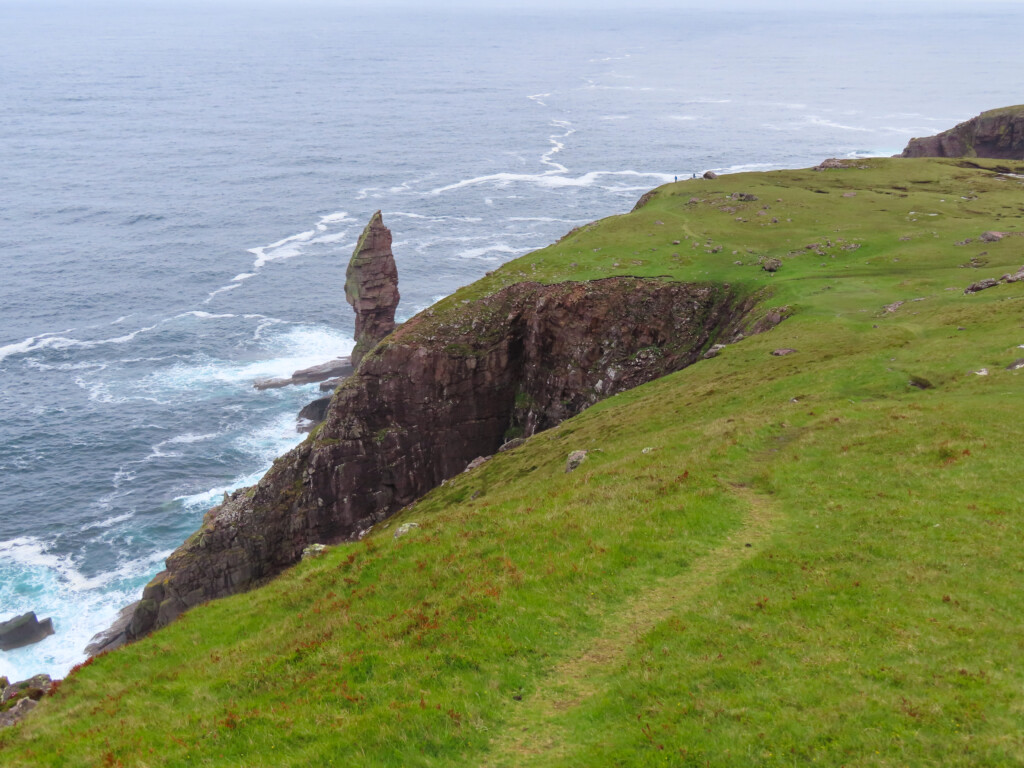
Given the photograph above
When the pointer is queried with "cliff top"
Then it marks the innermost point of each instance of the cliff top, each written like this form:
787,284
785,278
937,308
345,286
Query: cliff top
757,542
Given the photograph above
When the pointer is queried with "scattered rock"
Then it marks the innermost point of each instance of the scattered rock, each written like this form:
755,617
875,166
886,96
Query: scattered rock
313,550
24,630
16,713
714,351
508,445
710,175
849,194
894,306
479,461
744,197
1016,277
34,688
371,287
783,352
920,382
404,528
981,372
1016,365
981,285
771,265
675,242
575,459
992,237
646,450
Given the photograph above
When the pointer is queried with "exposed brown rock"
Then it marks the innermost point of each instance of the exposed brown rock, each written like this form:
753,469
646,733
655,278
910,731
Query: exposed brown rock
998,133
443,389
371,287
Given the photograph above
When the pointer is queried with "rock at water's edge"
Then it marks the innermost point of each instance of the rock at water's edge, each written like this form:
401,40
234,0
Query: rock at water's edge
998,133
24,630
371,287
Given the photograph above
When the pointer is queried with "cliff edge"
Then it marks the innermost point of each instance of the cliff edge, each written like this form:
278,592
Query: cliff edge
443,389
997,134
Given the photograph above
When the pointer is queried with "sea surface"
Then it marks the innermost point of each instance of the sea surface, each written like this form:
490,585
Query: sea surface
181,187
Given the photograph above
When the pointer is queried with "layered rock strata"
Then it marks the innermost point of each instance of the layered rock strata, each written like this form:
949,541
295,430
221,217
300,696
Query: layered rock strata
371,287
998,133
446,387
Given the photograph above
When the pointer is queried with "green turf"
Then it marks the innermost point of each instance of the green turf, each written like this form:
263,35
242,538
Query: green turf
615,615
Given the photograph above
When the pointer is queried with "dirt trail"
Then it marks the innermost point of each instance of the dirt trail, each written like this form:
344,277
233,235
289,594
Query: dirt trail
534,732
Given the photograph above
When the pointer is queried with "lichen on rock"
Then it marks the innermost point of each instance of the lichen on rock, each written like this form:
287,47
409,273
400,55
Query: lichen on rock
371,286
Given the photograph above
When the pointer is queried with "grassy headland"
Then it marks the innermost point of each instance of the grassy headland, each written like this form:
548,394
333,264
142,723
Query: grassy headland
763,560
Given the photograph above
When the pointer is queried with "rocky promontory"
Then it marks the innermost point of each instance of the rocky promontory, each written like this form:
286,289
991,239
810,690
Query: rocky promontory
446,387
998,134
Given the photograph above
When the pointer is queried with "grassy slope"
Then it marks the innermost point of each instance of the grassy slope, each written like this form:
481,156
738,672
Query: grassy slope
615,615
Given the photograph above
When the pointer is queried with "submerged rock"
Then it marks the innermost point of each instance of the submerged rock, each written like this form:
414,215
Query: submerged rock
371,287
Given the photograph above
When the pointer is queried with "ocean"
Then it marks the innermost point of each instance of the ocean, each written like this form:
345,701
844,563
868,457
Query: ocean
182,186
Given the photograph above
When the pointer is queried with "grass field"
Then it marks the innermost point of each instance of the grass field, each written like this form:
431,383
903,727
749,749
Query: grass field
762,561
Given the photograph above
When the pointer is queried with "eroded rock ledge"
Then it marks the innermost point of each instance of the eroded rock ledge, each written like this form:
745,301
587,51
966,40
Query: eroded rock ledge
445,388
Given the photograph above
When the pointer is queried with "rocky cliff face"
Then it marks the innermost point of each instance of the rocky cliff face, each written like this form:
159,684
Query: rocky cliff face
443,389
371,287
998,134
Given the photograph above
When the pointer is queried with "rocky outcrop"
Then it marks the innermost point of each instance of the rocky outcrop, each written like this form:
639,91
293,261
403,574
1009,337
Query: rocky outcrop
448,386
371,287
998,133
24,630
332,370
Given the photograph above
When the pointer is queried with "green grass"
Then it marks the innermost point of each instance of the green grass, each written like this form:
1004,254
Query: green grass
615,616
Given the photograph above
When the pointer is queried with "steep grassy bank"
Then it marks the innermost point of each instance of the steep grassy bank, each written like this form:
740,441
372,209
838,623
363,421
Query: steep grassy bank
616,615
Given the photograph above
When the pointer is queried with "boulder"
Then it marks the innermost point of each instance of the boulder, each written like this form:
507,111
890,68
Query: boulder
371,287
575,459
508,445
714,351
981,285
404,528
710,175
34,688
16,713
783,352
1016,365
24,630
771,265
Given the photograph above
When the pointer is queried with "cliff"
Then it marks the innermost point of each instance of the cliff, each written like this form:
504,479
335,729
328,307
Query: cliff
997,134
442,390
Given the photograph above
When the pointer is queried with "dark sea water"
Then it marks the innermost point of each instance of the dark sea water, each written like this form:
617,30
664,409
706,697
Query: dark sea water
181,187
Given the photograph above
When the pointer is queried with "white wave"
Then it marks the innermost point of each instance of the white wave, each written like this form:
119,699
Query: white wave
203,315
478,253
120,320
32,578
337,237
223,289
537,97
109,522
242,276
286,248
616,117
826,123
335,218
683,118
465,219
548,219
549,179
157,451
50,341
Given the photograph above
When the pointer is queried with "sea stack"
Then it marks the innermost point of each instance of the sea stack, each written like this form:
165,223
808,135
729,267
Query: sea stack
371,287
998,133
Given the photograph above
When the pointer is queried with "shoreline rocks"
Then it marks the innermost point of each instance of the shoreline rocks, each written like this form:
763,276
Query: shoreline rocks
338,369
24,630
